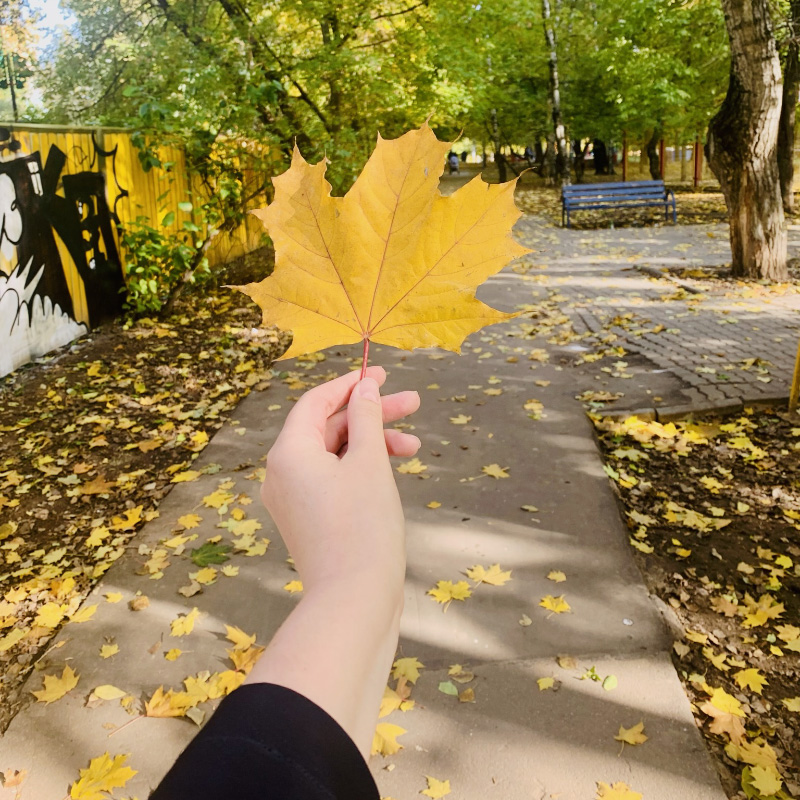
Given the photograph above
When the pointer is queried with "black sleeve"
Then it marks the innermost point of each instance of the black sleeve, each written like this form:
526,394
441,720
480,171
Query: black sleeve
267,742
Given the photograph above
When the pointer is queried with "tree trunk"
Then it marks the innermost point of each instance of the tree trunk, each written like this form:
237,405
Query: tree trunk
499,158
579,162
562,168
652,154
642,156
791,86
742,142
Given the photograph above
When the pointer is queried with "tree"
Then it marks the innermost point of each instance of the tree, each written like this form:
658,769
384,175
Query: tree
741,145
791,87
559,133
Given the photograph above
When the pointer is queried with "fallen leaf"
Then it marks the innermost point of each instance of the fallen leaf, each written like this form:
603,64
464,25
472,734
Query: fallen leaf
184,624
545,683
107,692
384,740
240,639
632,736
556,575
493,576
412,467
55,688
495,471
293,587
434,504
558,605
765,780
407,668
436,788
139,603
446,591
108,650
726,713
104,774
393,261
617,791
173,655
750,679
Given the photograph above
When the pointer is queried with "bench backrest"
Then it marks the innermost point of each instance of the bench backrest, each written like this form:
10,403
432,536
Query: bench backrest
610,191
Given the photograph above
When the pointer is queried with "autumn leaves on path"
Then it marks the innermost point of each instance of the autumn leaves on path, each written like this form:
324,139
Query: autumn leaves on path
527,632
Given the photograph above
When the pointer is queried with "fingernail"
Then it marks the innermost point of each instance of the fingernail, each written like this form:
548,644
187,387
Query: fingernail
368,389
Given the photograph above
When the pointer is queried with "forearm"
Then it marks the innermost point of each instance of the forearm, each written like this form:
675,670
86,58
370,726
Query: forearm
336,648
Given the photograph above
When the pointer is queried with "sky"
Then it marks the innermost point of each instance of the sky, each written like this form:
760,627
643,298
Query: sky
52,18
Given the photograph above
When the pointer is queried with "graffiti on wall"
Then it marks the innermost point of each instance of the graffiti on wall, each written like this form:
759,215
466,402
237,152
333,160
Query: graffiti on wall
53,225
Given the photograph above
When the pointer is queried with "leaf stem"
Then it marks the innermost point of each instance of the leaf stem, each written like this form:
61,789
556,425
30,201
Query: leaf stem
364,359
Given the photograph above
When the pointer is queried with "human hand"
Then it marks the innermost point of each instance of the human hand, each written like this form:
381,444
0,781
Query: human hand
329,485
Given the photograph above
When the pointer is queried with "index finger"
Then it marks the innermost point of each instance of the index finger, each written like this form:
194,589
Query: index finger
312,410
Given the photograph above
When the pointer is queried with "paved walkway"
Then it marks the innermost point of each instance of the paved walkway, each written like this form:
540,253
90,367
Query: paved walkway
515,742
725,344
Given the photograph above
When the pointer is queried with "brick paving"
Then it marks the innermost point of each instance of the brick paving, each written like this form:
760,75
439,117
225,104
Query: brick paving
726,342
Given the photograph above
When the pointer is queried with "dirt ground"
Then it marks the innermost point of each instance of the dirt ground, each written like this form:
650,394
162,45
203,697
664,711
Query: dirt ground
714,512
95,435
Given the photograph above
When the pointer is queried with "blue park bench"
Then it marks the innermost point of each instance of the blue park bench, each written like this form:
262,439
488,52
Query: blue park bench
631,194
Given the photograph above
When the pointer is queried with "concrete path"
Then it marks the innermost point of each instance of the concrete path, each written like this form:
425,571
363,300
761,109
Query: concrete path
514,742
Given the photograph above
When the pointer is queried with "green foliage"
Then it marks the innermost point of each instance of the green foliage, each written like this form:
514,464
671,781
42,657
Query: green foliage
158,262
210,553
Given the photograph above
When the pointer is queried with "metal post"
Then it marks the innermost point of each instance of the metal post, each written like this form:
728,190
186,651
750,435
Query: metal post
624,156
661,159
795,390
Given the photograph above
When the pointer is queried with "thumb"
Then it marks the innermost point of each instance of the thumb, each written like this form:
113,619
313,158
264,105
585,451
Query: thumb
365,420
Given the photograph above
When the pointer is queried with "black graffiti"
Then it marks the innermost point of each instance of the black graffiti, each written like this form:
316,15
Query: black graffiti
81,219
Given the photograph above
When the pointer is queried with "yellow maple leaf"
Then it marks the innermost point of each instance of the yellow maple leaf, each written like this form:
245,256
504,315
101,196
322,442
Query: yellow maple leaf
632,736
460,419
436,788
174,654
493,575
726,713
617,791
113,597
393,261
390,701
750,678
556,575
165,704
104,774
188,475
495,471
434,504
55,688
206,576
792,703
108,650
765,780
293,587
412,467
558,605
407,668
446,591
384,740
184,624
50,615
240,639
189,521
223,683
545,683
244,660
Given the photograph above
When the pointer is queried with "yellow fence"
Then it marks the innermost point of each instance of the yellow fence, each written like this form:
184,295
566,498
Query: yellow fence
43,156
